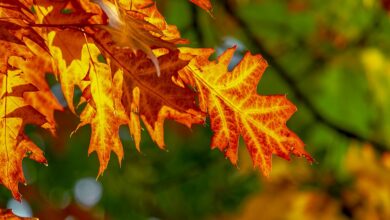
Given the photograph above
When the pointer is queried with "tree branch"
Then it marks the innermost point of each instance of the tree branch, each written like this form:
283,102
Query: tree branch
195,24
292,84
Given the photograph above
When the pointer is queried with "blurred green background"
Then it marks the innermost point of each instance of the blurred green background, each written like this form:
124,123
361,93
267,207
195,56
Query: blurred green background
332,59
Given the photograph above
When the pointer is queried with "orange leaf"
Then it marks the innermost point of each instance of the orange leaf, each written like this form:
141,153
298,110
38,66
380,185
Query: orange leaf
13,29
130,28
154,17
153,98
235,109
34,67
14,145
71,65
205,4
147,96
104,111
69,12
20,78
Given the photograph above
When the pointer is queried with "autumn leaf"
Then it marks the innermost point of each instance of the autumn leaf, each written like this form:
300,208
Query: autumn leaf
149,97
205,4
14,145
154,99
70,65
14,27
24,92
70,12
235,109
104,111
80,66
371,185
148,11
129,27
34,68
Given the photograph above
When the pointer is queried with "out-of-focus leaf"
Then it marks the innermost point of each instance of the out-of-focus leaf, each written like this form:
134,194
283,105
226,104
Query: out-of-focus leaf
369,197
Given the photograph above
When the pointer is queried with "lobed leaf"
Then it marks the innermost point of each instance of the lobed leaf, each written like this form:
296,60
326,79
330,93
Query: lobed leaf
235,109
104,111
15,113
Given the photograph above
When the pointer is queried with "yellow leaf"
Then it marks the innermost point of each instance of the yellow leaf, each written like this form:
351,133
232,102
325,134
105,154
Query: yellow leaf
106,113
14,145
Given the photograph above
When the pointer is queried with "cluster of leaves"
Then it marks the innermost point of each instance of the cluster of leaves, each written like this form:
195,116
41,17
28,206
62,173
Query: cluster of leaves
124,57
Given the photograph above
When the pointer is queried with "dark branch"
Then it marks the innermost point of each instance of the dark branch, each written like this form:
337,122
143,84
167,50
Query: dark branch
195,25
292,84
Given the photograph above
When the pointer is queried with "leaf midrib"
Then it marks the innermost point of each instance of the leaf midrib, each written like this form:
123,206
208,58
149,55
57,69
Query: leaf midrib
234,107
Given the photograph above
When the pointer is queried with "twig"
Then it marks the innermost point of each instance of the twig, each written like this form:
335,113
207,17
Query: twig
195,25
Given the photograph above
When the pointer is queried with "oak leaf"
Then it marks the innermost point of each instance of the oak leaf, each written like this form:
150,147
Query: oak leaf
15,113
153,97
14,28
34,66
70,65
24,92
148,97
104,112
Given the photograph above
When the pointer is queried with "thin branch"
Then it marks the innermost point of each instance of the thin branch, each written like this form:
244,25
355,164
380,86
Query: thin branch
195,25
299,93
